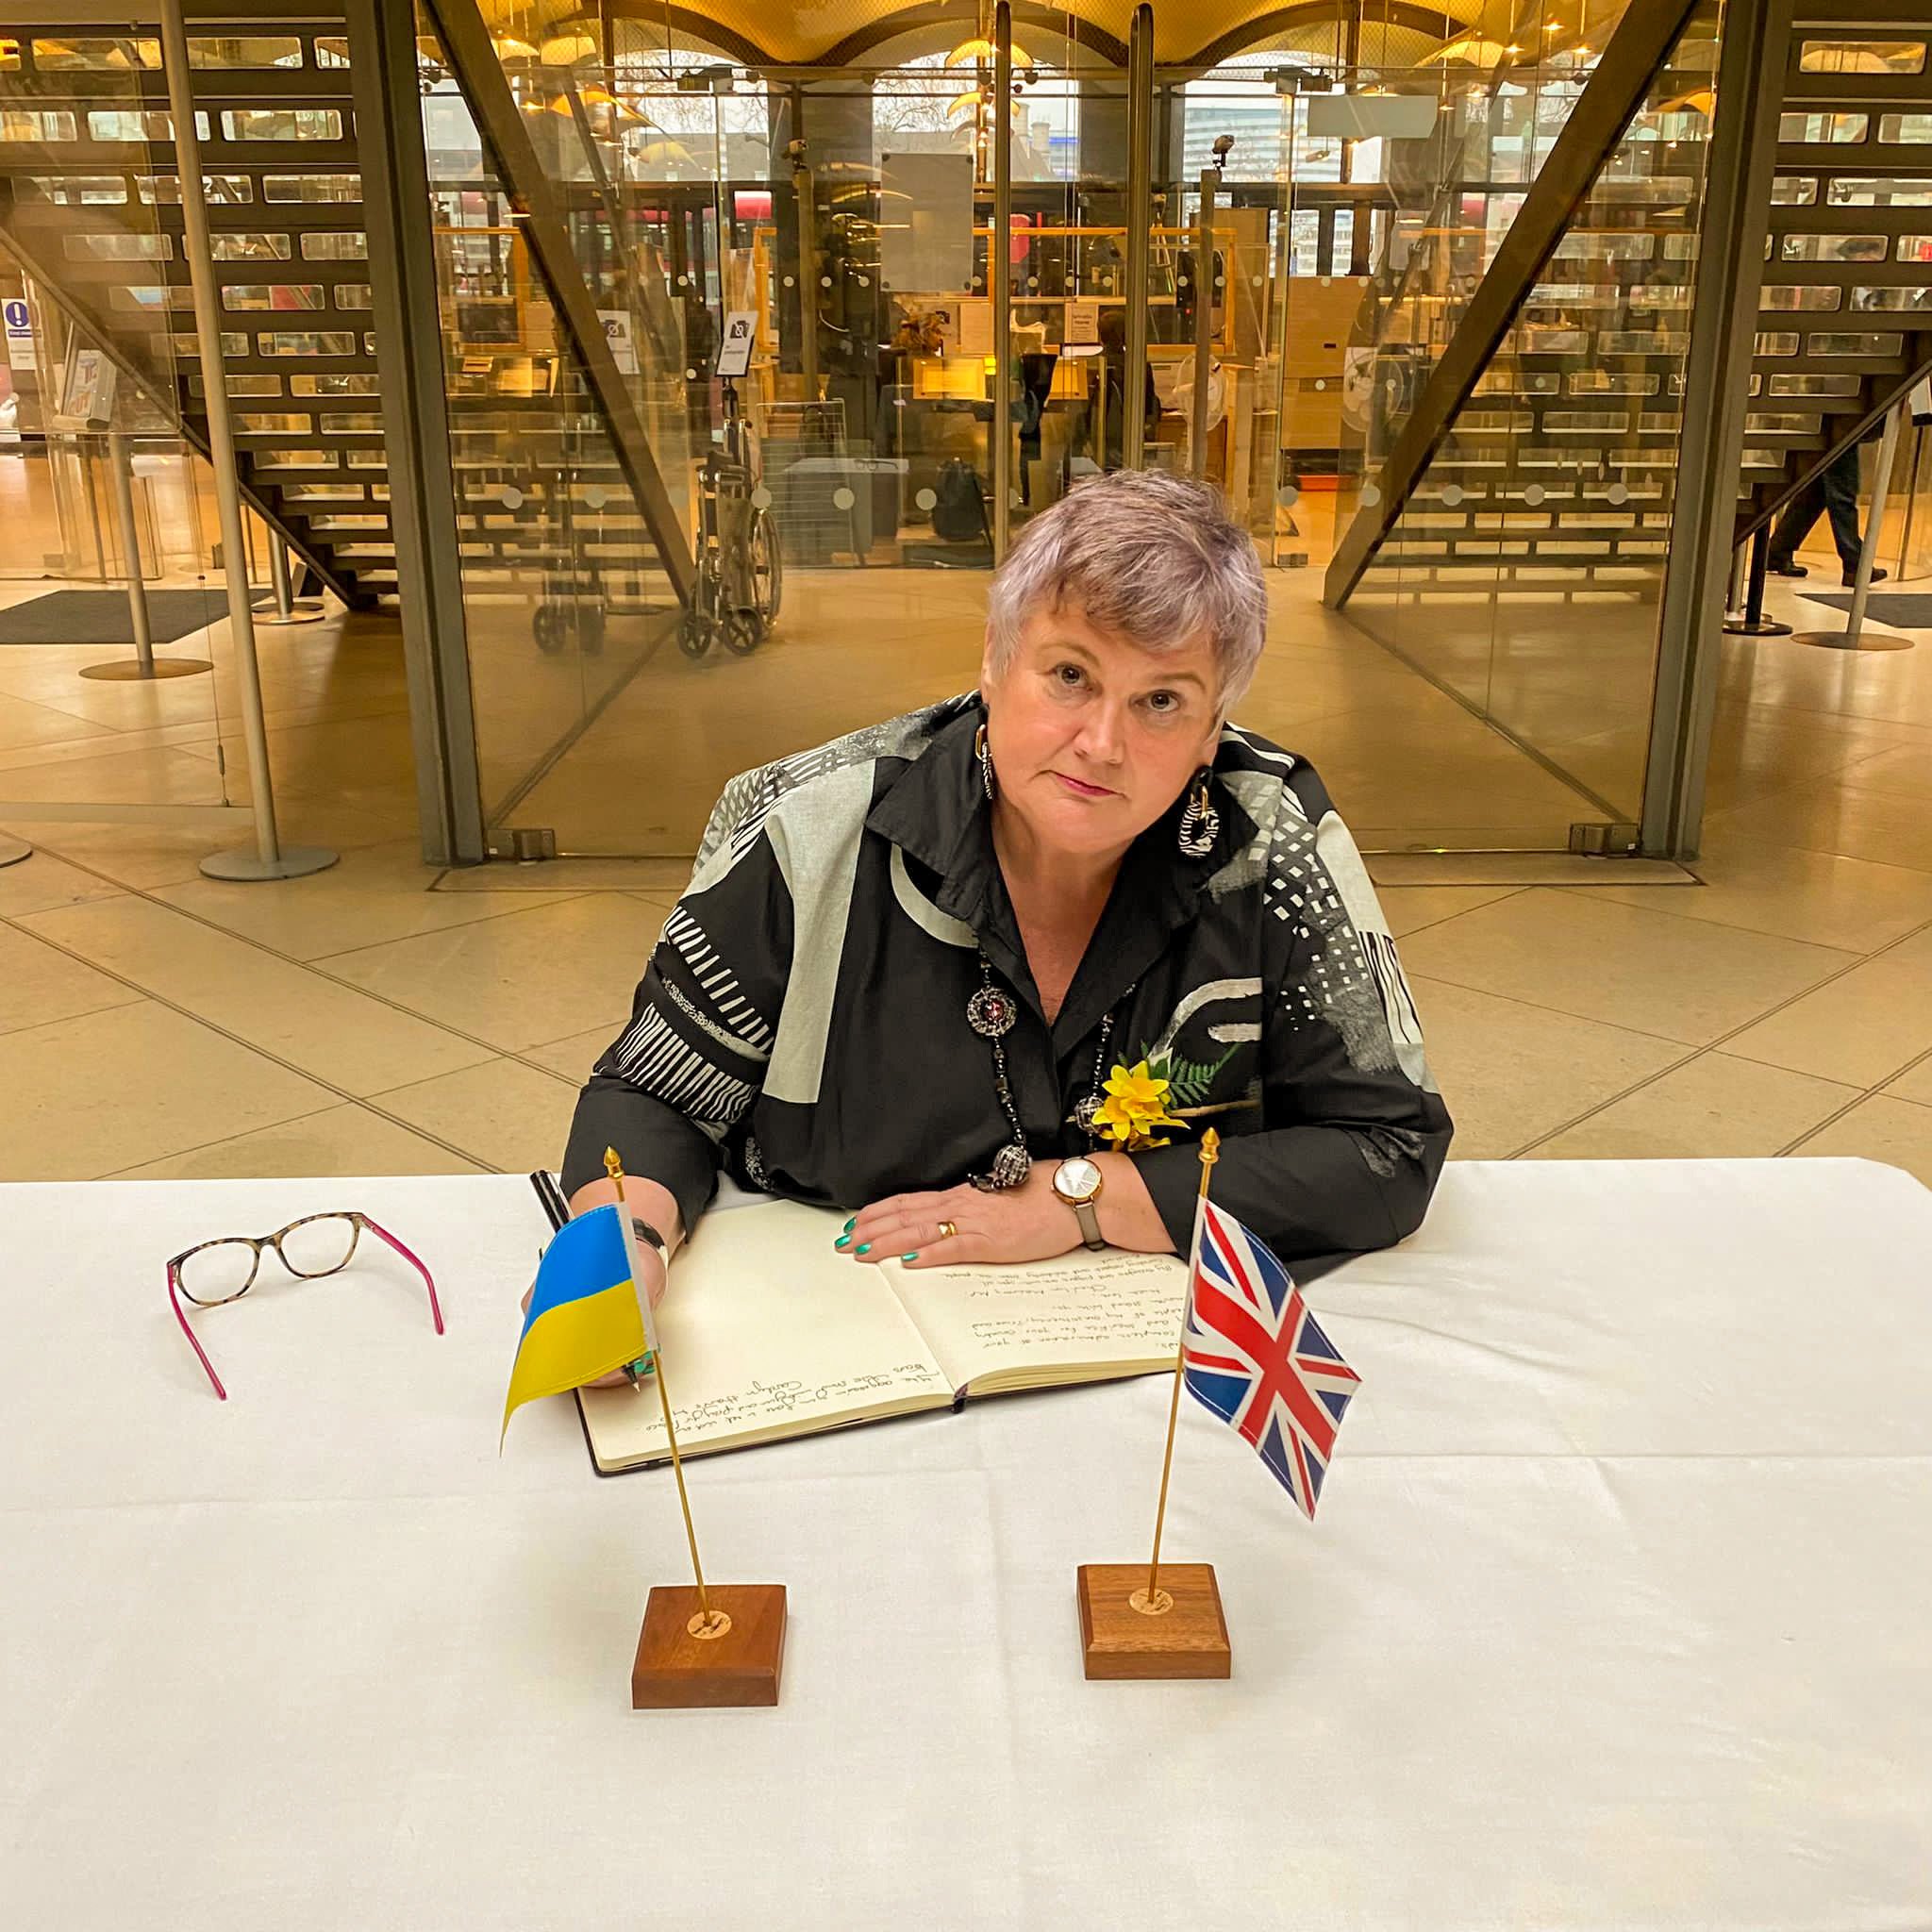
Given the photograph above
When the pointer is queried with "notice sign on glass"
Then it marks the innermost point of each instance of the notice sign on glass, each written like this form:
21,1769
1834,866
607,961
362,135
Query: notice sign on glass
976,327
617,332
734,352
926,222
20,334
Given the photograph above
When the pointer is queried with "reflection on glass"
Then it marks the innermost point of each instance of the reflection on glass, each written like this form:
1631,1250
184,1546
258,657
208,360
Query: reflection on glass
1523,575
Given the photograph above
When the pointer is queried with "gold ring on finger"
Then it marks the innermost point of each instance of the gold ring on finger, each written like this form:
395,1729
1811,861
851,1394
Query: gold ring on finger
947,1230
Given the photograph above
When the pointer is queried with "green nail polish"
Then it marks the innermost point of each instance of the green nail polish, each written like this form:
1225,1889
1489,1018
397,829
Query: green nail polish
913,1256
863,1248
842,1240
851,1224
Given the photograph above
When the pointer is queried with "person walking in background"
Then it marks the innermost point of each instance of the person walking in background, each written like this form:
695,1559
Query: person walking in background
1834,488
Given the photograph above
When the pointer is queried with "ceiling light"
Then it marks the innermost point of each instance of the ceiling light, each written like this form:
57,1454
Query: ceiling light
566,50
980,50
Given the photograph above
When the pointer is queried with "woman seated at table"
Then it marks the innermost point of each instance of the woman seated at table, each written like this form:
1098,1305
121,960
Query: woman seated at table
981,974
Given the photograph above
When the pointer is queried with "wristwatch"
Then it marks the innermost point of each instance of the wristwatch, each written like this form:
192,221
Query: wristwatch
1078,1183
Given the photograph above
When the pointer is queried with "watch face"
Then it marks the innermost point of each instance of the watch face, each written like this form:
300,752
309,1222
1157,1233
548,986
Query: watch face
1078,1180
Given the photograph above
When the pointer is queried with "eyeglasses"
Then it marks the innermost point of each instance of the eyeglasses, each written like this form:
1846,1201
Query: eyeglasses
318,1245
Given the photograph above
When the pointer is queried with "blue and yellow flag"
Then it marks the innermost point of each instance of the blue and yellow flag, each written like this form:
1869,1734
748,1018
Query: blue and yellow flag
588,1313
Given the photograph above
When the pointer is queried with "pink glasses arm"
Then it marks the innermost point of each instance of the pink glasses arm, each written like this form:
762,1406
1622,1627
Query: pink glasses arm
175,1301
383,1234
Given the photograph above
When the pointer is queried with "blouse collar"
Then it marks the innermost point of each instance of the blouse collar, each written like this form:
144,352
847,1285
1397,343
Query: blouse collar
936,811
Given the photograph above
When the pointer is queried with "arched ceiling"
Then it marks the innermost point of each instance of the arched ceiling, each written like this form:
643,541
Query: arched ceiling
843,32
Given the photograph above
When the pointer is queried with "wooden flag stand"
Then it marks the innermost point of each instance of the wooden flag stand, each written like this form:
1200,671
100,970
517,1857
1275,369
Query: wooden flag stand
702,1648
1156,1622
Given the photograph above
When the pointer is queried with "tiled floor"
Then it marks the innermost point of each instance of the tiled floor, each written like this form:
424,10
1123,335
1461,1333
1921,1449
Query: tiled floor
376,1018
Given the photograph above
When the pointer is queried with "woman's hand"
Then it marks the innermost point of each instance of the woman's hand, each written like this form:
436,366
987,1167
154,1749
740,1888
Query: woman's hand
1023,1224
656,1280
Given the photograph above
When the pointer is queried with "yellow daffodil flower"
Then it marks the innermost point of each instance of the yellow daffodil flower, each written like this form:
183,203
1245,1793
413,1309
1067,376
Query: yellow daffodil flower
1136,1103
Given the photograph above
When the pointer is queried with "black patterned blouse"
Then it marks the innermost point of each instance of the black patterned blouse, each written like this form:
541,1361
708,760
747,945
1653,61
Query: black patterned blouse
802,1020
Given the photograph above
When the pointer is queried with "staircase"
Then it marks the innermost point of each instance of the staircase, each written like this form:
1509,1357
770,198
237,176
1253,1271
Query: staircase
1554,474
90,205
1845,318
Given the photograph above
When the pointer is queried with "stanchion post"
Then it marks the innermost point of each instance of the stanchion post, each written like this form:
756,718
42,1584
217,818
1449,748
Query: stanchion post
1204,324
1754,623
1139,219
127,536
1875,526
1851,638
287,611
269,860
130,553
999,260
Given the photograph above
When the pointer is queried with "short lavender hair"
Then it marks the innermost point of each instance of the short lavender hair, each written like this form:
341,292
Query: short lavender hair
1150,556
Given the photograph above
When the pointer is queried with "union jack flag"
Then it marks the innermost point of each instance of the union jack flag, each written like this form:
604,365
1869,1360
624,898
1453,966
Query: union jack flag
1254,1355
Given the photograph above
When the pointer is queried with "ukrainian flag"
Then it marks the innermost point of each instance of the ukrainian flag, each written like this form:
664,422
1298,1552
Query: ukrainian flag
587,1312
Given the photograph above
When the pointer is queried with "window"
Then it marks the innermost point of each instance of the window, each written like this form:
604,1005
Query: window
1832,248
1854,345
308,341
73,190
35,124
191,345
354,295
249,423
312,187
1814,385
292,458
334,386
1821,127
1862,57
150,295
240,244
118,248
1919,298
96,56
164,191
273,295
1786,295
1794,191
1883,190
340,245
282,123
1904,127
264,50
128,124
1605,382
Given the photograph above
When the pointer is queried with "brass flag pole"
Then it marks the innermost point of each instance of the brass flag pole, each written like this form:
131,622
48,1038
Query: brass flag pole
707,1623
1131,1624
1154,1599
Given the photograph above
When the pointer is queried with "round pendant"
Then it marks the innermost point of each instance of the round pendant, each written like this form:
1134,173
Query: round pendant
991,1013
1011,1167
1085,1112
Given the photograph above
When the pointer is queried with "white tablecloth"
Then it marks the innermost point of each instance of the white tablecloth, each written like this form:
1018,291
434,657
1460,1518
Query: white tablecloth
1618,1611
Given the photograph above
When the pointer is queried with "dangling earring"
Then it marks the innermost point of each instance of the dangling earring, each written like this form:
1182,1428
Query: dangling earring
1200,822
980,752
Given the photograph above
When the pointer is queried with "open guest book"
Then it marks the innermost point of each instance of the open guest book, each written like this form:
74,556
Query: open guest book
769,1332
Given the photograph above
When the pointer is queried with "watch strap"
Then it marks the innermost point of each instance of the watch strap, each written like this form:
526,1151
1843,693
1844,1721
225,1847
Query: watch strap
1090,1223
